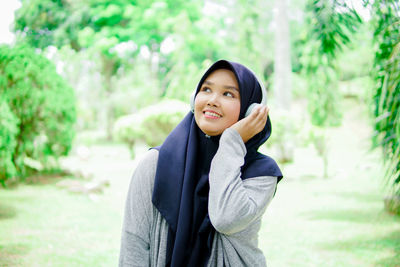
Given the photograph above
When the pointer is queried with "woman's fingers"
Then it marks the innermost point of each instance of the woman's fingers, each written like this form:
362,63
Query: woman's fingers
262,118
256,112
256,122
262,115
253,124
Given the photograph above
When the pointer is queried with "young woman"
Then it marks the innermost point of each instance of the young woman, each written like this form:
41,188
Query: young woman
198,199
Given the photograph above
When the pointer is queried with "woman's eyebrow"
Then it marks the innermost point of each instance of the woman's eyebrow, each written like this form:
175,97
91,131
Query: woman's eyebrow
225,86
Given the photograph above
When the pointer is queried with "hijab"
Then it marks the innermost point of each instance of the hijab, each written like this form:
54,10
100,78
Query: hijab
181,185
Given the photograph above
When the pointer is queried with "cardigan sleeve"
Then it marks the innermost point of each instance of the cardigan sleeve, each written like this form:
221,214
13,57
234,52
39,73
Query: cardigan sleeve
233,203
135,238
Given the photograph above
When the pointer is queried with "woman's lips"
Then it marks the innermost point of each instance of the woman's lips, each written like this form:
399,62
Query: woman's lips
209,114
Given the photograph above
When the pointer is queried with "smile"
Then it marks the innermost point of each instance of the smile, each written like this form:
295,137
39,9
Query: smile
211,114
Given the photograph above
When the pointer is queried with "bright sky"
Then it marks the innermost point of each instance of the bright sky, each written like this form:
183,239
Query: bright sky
7,8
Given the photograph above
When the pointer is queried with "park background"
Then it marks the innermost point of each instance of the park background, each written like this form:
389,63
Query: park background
87,86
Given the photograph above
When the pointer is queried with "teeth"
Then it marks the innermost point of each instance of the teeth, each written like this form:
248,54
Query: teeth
212,114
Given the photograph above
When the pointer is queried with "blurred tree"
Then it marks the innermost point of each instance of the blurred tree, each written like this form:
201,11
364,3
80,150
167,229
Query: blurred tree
37,121
335,22
386,24
8,133
101,27
148,46
331,24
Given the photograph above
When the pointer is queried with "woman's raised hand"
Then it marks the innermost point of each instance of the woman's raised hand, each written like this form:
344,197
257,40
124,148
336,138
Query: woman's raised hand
253,124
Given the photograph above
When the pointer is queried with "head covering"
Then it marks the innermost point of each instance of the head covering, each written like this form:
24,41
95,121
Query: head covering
181,184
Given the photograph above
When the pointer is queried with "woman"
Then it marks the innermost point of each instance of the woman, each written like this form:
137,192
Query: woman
198,199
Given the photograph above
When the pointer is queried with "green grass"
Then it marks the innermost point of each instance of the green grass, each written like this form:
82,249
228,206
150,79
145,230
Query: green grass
42,225
312,221
339,221
330,223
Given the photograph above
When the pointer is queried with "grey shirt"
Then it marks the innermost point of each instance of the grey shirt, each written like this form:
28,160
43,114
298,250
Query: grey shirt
235,209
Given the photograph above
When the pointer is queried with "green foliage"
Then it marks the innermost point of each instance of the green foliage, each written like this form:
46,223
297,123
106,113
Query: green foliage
156,49
103,28
115,34
8,132
99,24
151,124
39,21
331,24
40,104
387,97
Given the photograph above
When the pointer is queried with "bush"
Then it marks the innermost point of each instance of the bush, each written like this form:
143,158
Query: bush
151,124
8,132
42,107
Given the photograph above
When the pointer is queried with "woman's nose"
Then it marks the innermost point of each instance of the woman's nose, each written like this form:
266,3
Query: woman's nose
213,100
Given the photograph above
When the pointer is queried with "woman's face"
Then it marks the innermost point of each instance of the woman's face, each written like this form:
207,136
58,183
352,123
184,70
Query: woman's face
217,104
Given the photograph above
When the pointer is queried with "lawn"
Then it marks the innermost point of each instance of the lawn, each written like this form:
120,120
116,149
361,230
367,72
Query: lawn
312,221
330,223
339,221
42,225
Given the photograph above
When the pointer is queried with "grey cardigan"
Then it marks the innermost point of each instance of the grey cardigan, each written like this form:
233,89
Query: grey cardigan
235,209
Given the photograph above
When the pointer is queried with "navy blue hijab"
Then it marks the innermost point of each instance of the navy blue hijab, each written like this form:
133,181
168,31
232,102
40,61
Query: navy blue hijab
181,186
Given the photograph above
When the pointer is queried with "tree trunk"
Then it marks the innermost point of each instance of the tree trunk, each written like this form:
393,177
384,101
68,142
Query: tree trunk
282,64
282,75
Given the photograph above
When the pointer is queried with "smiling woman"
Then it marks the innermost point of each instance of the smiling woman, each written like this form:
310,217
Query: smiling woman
198,199
217,104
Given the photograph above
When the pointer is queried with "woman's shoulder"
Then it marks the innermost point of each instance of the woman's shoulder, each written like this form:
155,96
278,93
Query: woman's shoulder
146,168
148,159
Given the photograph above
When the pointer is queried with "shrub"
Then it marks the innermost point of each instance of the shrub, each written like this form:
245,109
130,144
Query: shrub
8,132
40,103
151,124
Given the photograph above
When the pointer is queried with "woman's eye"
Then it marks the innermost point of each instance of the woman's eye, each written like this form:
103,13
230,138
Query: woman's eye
206,89
228,94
